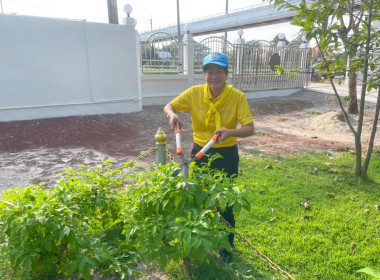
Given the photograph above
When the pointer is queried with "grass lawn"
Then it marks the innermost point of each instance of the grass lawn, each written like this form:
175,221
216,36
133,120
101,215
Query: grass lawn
335,236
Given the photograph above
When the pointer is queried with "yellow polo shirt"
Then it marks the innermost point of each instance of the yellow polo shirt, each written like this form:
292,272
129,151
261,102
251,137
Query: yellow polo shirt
234,110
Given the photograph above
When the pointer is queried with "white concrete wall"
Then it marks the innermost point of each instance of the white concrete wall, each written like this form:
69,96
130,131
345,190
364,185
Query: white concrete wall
159,89
52,68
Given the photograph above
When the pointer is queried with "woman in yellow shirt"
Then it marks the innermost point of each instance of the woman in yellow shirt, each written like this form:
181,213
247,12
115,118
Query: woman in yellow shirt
212,106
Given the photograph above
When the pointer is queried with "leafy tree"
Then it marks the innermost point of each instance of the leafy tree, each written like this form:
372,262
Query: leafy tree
148,52
276,39
254,43
344,29
298,40
331,22
172,48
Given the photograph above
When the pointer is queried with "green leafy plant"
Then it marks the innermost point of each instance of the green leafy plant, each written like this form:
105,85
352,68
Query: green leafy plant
170,219
67,230
79,226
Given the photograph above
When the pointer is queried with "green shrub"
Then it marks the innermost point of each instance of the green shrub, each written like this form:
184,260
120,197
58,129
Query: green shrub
67,230
170,219
90,222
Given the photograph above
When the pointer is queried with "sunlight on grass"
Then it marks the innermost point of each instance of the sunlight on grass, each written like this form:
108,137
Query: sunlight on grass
338,234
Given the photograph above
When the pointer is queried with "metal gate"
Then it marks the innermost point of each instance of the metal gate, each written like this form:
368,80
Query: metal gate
255,67
209,45
161,53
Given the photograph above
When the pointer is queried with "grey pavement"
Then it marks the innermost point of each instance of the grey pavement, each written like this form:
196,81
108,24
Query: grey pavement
271,93
317,87
342,90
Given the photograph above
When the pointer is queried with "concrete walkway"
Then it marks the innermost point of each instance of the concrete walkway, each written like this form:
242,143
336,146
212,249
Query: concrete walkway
342,90
271,93
317,87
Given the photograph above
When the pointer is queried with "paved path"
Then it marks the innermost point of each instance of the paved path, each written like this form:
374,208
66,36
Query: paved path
342,90
318,87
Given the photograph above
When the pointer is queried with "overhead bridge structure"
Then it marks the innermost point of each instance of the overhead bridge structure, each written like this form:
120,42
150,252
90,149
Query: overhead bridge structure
253,16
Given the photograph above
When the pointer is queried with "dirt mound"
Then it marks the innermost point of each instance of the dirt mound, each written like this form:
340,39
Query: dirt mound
334,125
332,122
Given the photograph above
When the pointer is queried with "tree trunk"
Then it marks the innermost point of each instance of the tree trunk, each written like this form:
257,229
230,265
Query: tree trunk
372,138
358,156
352,92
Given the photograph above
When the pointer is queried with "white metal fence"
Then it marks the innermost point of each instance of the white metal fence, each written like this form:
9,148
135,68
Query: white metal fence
252,67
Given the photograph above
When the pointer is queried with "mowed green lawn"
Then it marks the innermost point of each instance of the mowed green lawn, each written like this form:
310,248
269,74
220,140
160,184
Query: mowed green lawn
334,234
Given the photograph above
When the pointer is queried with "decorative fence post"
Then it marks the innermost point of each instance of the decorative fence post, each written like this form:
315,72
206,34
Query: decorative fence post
240,57
188,56
161,146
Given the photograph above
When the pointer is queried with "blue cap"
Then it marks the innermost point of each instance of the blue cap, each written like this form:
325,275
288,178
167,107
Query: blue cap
215,58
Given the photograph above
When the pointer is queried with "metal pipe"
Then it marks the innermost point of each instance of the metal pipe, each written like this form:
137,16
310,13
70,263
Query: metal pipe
178,24
112,12
225,33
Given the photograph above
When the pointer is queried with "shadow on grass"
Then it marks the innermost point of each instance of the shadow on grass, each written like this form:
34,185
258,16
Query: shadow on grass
215,268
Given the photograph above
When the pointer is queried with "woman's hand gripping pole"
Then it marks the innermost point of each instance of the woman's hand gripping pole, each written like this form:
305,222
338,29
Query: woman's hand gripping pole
185,163
214,139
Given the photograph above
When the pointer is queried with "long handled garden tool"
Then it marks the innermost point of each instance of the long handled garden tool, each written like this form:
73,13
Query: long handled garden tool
185,162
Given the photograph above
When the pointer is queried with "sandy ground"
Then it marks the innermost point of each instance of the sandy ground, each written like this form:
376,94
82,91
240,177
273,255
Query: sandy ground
38,150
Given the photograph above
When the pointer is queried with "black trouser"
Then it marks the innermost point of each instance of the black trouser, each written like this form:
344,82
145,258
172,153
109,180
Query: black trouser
229,163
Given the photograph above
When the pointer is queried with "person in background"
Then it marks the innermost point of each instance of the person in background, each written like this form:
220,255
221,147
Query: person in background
212,106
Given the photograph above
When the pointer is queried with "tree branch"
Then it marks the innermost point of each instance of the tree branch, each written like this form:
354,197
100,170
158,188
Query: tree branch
365,71
336,93
373,134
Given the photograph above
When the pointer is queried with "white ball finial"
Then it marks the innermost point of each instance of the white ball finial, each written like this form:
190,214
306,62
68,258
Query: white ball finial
240,32
128,9
281,36
187,28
